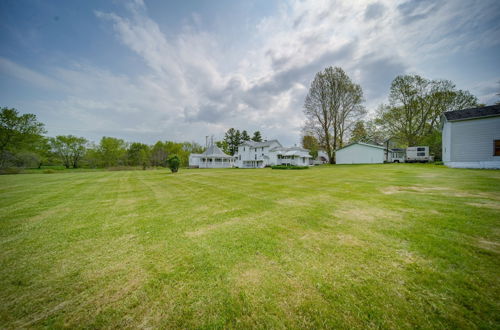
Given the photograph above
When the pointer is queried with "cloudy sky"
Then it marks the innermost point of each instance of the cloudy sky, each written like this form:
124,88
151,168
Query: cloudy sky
181,70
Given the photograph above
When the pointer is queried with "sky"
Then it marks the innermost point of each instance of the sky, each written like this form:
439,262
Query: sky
182,70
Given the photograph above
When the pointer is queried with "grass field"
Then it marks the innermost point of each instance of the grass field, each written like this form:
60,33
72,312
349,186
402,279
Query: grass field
392,246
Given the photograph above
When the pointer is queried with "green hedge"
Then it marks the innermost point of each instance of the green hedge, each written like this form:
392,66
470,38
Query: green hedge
289,167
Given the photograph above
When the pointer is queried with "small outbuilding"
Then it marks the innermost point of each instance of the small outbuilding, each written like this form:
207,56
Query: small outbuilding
471,137
360,153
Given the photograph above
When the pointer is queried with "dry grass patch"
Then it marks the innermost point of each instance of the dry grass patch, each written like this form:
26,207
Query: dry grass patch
293,201
489,245
364,213
346,239
49,213
399,189
212,227
489,205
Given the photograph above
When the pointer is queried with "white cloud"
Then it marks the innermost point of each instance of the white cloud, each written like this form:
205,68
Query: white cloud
194,88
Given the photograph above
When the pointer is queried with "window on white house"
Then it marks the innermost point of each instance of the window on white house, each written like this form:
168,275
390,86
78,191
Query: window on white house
420,149
496,148
420,154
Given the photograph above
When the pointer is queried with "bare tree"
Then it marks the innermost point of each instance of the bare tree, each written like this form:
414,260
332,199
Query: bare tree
331,107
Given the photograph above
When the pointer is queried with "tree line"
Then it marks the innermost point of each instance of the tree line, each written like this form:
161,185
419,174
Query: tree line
23,145
335,114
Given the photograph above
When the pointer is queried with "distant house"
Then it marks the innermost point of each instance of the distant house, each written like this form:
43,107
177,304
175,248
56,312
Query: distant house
322,158
471,137
360,153
252,154
213,157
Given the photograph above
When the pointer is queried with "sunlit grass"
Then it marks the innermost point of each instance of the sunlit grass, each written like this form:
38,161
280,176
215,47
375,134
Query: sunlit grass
335,246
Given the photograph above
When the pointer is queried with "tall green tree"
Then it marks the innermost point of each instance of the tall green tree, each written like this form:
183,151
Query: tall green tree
359,133
112,151
17,133
332,105
223,145
159,156
375,133
311,143
257,137
233,140
138,154
416,105
245,136
69,148
44,151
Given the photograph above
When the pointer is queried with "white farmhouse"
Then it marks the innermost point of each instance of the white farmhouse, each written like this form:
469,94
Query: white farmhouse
471,137
252,154
213,157
360,153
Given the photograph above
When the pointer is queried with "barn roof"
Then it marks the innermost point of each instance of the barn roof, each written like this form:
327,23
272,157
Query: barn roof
363,144
473,113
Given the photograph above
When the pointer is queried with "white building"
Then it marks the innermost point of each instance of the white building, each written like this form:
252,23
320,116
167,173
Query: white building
360,153
261,154
471,137
213,157
321,159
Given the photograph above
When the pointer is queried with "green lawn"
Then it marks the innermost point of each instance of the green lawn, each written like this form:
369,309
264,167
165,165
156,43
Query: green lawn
391,246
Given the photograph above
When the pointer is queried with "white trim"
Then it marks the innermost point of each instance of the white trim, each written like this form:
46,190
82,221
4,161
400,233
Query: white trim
484,164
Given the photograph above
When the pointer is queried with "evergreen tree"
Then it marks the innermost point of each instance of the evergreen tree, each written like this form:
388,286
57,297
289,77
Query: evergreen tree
245,136
233,140
257,137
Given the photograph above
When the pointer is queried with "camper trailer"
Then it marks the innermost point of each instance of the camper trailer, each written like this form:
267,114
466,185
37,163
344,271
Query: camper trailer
418,154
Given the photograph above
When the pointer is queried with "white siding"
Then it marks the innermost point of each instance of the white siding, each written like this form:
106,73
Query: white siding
446,141
194,160
359,154
469,143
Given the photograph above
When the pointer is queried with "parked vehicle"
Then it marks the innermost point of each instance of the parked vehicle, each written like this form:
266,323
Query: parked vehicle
396,155
419,154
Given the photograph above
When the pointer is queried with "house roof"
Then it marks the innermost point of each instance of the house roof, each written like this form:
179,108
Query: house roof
290,151
473,113
254,144
296,153
214,151
363,144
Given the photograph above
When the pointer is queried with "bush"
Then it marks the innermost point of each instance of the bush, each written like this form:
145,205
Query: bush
173,164
10,170
289,167
438,163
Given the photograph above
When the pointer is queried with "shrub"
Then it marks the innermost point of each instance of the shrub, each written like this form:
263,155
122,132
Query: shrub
173,164
438,163
289,167
10,170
